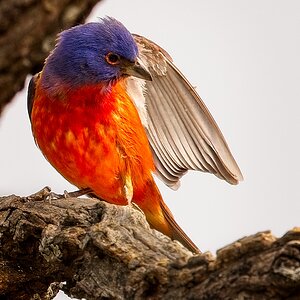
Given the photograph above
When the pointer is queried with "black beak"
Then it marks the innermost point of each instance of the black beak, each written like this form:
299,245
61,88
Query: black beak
136,69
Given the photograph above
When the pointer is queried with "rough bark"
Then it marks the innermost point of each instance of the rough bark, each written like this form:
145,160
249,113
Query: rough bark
103,251
27,32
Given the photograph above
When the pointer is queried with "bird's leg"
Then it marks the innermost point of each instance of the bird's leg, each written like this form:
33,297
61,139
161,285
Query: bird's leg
77,193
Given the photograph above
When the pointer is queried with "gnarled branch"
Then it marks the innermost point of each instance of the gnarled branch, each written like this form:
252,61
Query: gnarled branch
103,251
27,32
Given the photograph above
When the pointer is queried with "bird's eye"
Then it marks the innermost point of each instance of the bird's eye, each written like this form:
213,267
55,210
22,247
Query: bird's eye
112,58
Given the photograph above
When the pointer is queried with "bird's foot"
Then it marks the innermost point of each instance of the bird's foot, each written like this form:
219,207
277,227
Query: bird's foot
47,194
44,194
40,195
73,194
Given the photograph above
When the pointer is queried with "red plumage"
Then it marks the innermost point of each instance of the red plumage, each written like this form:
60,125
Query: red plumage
96,140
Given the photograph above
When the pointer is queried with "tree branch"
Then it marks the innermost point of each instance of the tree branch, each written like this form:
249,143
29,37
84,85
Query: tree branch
103,251
27,32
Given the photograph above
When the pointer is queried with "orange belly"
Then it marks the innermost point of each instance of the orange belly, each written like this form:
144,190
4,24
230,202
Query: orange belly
94,141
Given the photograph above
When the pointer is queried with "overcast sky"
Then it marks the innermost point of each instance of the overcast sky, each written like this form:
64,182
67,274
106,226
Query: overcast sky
244,58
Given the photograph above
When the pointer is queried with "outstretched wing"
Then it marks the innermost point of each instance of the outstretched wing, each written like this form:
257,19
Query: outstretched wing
182,133
31,93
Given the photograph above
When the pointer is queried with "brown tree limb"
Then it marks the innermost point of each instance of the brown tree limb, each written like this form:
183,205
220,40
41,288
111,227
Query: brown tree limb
103,251
27,32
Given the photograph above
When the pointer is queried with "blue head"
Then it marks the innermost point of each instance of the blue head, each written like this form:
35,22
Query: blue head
92,53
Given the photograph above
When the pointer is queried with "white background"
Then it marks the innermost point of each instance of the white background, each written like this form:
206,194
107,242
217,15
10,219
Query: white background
244,58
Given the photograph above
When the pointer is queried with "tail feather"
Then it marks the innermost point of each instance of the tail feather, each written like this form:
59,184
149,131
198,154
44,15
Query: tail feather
176,232
159,216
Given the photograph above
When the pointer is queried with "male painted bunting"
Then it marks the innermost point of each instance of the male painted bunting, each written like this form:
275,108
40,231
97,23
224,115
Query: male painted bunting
110,108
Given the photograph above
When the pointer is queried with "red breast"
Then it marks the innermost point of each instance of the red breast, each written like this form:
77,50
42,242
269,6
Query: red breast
94,139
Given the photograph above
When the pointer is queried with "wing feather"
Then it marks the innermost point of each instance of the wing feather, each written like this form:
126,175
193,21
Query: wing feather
182,133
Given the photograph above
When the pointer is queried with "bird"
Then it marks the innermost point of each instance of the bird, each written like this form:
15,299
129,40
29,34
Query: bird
110,110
